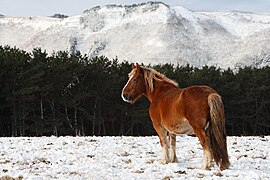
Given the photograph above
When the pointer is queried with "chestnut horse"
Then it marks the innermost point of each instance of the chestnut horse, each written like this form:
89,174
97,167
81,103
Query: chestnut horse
195,109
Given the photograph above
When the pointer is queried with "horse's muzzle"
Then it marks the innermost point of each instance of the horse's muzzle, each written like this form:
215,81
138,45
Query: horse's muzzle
126,97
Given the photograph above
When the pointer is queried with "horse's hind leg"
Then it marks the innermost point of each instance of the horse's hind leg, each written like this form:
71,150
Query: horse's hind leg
173,157
204,140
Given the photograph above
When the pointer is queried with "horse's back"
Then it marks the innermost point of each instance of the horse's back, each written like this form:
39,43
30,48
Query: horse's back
198,91
195,95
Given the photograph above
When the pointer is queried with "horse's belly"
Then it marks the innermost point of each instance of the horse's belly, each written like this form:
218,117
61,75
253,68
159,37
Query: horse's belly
182,127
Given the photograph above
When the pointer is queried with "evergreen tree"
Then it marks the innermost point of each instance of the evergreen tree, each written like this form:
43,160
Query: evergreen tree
72,94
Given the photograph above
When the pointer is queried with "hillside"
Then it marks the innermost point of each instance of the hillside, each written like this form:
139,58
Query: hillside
149,33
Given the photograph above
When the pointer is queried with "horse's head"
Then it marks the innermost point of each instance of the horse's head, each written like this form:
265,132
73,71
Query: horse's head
135,86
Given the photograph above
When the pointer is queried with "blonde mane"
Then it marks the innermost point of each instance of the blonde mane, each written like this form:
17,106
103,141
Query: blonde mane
150,75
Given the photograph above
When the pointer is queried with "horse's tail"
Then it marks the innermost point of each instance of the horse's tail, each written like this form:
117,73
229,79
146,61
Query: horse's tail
216,131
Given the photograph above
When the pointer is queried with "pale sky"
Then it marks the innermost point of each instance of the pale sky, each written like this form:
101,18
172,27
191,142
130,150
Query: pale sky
76,7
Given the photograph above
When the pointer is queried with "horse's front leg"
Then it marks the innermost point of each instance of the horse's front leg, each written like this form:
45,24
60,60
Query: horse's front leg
164,142
173,157
165,158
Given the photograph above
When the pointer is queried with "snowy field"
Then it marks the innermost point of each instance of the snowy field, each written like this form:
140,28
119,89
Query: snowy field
126,158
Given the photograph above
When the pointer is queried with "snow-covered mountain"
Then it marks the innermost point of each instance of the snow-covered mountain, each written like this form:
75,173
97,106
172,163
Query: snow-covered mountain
149,33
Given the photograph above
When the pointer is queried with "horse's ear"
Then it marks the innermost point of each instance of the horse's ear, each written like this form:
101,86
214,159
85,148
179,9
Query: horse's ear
133,66
138,68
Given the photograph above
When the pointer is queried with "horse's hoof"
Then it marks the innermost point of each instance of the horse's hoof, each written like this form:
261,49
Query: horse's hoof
212,164
163,161
204,167
225,166
175,160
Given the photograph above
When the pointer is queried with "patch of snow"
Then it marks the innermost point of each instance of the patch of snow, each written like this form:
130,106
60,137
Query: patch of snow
240,24
126,158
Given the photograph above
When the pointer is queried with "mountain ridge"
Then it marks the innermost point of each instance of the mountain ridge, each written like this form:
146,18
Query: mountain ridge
150,33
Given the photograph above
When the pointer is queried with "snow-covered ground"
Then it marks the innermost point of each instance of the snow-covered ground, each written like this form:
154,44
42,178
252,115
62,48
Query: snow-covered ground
126,158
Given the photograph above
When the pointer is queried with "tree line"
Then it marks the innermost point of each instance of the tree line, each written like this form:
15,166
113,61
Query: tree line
73,94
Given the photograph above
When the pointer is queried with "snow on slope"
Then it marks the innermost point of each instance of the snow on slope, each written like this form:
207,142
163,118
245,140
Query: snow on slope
126,158
247,23
149,33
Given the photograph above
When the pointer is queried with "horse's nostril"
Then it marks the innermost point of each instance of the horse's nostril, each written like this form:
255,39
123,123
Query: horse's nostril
127,97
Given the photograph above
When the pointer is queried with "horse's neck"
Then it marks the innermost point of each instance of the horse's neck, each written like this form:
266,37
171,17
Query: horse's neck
159,88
